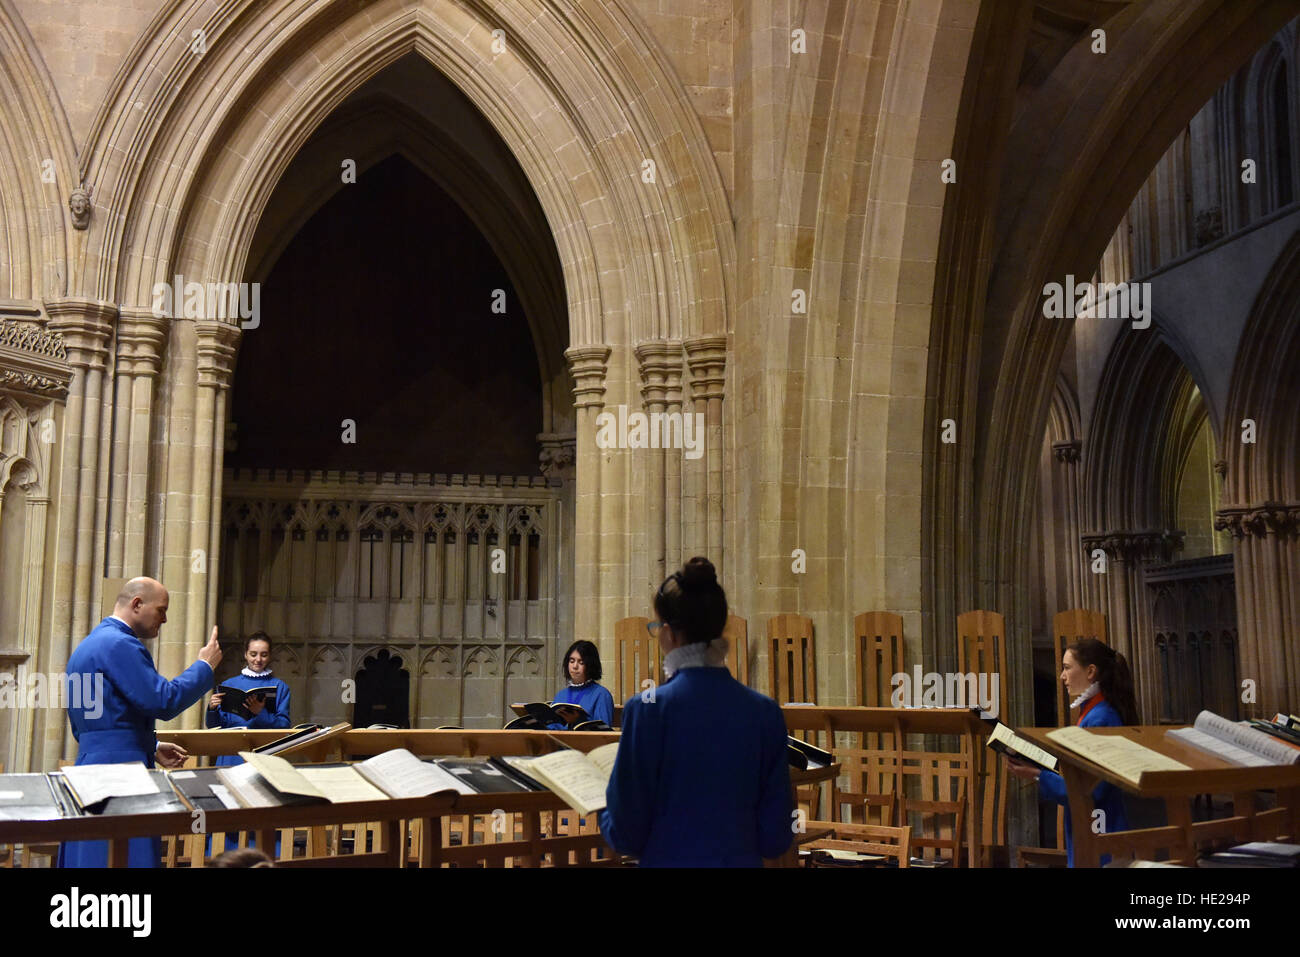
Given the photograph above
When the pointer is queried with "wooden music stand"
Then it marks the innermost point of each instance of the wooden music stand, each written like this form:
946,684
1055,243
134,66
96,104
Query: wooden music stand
737,634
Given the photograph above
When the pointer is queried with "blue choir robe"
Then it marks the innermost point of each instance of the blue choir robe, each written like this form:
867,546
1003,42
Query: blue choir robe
592,698
701,778
279,718
1105,796
134,696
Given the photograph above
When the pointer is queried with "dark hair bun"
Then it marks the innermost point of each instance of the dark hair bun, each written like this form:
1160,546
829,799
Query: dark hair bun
699,573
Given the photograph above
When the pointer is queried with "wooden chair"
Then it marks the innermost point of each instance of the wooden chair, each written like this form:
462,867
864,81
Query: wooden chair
937,815
792,676
871,764
736,632
637,656
981,649
890,842
1067,627
792,661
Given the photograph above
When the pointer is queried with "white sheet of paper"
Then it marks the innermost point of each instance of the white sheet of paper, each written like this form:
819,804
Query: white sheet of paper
95,782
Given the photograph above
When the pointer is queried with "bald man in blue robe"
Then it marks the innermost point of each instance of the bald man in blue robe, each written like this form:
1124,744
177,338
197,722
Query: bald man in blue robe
116,726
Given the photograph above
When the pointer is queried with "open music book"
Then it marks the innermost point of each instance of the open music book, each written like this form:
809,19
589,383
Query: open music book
1005,741
92,783
270,781
556,712
580,779
1121,755
300,738
1235,743
232,699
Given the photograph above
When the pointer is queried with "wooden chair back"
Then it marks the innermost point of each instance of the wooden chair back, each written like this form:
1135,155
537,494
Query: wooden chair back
637,656
1067,628
870,761
981,650
737,634
792,660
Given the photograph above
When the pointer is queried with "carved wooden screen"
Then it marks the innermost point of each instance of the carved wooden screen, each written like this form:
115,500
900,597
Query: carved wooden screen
1194,621
460,580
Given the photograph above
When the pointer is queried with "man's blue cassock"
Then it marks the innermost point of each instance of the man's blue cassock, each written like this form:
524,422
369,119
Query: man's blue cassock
134,696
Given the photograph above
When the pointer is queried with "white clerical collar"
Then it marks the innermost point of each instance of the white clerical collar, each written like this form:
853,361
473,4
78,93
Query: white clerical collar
256,674
583,685
1091,690
698,654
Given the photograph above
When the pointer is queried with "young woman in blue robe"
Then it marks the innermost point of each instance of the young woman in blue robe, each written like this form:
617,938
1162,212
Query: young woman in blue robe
256,674
582,671
701,778
1099,679
115,724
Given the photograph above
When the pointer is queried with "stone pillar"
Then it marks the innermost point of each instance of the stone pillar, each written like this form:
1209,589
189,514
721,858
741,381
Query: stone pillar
588,365
140,340
85,326
706,357
557,461
1067,455
660,365
1266,547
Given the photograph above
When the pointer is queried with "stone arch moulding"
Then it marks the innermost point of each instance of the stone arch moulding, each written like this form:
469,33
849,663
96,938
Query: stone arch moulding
35,224
186,150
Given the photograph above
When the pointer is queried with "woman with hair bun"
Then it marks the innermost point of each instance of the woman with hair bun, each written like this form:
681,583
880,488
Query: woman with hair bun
1099,678
701,778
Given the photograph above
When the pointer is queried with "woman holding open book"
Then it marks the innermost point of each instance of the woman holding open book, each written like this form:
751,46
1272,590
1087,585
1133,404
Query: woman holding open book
582,670
1099,679
701,778
267,709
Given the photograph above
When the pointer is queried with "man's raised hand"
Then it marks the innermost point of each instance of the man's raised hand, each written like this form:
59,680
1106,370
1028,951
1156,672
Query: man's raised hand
211,652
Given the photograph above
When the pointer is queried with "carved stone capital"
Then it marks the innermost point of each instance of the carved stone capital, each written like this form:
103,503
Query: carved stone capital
588,365
85,326
707,358
140,339
216,352
660,362
1136,546
558,456
1265,518
33,360
1067,452
1221,468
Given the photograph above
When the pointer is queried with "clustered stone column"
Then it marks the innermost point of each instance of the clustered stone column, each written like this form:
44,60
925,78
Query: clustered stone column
660,364
140,339
706,356
1266,544
1067,455
85,326
588,365
1118,593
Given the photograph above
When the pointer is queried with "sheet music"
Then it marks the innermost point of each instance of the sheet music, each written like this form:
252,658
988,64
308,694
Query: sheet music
93,783
603,758
1220,749
1027,749
247,785
403,775
573,778
342,784
1121,755
1245,737
280,774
